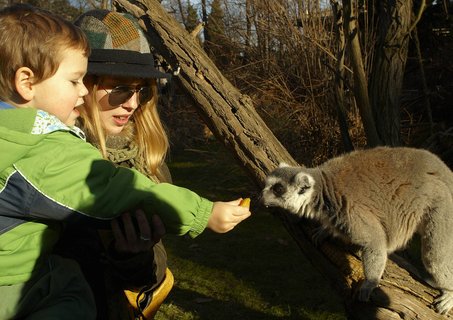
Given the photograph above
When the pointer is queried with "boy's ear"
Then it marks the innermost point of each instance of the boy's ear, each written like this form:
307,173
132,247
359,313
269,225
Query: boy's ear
23,82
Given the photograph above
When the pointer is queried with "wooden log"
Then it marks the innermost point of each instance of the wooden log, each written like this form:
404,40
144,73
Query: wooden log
233,119
400,295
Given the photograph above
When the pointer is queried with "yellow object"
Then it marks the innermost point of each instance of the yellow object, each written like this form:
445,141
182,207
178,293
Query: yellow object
245,203
158,296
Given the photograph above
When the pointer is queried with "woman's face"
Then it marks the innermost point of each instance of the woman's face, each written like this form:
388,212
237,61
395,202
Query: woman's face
118,99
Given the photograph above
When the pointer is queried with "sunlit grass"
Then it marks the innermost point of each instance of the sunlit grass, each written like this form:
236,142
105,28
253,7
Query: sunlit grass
256,271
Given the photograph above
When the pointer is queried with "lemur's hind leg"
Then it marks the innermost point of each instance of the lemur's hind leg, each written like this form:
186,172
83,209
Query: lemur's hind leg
437,251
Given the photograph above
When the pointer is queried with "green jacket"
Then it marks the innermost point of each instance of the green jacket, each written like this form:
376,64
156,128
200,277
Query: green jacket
50,175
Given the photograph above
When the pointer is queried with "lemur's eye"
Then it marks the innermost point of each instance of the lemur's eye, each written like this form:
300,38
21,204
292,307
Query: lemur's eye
278,189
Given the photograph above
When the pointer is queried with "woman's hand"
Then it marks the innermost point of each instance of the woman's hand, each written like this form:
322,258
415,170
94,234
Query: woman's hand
136,236
226,215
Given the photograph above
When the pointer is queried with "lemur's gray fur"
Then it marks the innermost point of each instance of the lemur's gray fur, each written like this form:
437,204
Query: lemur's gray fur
377,199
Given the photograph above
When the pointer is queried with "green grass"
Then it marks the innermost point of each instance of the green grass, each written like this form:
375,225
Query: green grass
255,271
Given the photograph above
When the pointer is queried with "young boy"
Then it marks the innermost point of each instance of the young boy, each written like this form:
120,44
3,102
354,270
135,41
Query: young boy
50,175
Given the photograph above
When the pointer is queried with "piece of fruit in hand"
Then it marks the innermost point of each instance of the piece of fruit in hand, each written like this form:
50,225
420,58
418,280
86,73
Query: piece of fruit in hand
245,203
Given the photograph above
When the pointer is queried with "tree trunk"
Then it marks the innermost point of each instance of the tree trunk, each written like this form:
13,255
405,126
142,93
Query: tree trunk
232,118
360,80
386,79
248,19
340,75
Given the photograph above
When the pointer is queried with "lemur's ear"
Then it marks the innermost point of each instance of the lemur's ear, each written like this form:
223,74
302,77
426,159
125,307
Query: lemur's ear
304,181
283,165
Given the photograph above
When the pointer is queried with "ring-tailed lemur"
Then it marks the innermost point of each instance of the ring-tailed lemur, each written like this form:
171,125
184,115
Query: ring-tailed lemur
377,199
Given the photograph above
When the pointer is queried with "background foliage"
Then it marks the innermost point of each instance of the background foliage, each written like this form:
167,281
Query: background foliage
283,54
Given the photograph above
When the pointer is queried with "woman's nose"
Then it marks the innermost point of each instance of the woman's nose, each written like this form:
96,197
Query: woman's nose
132,103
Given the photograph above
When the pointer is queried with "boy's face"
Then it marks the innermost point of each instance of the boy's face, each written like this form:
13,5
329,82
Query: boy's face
63,92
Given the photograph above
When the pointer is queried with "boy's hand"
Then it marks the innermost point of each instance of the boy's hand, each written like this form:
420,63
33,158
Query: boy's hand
133,238
226,215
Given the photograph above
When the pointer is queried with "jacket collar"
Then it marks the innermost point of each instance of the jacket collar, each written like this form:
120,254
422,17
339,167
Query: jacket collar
47,123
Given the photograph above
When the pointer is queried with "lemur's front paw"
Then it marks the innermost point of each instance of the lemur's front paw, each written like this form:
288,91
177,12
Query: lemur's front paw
364,292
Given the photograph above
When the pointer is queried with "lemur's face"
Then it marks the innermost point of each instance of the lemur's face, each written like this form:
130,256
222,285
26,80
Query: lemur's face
288,188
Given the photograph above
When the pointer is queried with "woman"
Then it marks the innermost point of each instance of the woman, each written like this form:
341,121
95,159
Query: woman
120,118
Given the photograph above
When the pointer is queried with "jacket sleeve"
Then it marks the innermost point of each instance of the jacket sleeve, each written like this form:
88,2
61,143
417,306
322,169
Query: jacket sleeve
70,179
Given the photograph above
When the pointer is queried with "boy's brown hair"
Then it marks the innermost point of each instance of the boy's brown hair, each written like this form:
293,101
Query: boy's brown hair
34,38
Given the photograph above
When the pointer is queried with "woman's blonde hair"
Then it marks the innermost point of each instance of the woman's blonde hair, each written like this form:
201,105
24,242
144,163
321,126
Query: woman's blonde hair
149,134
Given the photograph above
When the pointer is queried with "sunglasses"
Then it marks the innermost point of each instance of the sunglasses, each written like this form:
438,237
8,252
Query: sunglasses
121,94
